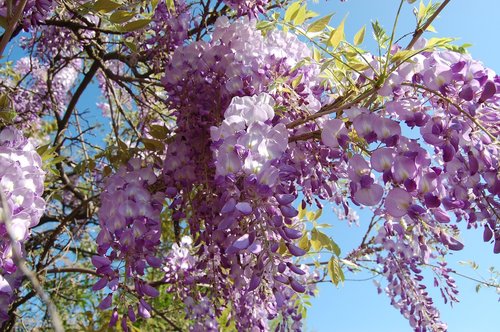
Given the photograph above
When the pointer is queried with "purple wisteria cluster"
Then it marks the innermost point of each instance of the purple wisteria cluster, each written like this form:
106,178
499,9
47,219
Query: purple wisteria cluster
229,138
128,241
451,99
21,182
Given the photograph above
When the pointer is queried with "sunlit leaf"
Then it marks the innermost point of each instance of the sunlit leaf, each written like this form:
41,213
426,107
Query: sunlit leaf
300,17
105,6
335,271
121,16
304,243
291,12
316,54
320,24
136,25
359,36
337,35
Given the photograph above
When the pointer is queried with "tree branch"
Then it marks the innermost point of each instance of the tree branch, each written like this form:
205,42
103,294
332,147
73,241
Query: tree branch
419,31
11,27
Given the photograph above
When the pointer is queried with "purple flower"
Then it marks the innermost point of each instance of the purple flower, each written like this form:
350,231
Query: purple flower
397,202
332,129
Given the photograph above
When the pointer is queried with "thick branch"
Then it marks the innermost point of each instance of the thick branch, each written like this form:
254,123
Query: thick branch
11,27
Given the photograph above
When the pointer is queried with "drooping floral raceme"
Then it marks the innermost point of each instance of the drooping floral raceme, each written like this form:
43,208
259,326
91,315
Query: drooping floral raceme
21,182
130,234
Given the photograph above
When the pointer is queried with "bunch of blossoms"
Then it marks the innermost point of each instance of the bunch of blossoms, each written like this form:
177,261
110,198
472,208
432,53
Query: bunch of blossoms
410,189
55,44
39,89
441,93
201,81
404,253
34,13
130,233
181,275
203,77
460,123
21,182
251,161
256,309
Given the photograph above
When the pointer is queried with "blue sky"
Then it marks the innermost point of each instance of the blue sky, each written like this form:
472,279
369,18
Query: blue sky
356,306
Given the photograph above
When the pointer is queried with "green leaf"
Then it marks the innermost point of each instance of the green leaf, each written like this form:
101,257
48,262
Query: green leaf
131,46
359,36
404,55
4,101
325,241
7,116
136,25
431,29
300,17
334,247
152,144
310,215
316,54
105,6
265,26
107,171
121,16
421,10
319,25
352,265
304,243
337,35
122,146
302,212
462,49
158,132
438,42
291,12
41,150
296,81
335,271
170,5
57,160
315,241
379,34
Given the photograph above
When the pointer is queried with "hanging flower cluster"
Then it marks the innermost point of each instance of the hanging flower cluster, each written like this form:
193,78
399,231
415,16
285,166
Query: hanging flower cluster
21,182
130,234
